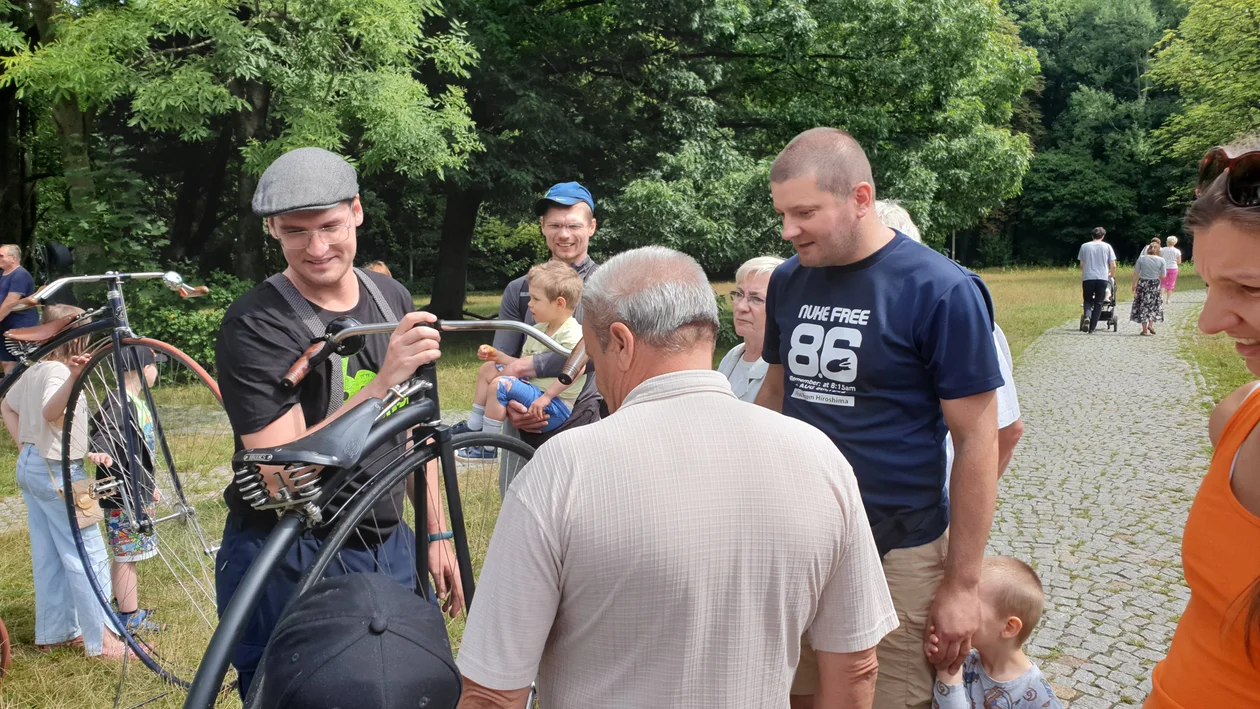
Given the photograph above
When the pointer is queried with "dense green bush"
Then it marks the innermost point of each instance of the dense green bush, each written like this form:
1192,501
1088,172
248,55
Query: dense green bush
192,326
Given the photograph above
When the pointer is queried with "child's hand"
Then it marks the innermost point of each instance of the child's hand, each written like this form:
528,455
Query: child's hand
536,408
77,363
157,495
100,460
486,353
948,675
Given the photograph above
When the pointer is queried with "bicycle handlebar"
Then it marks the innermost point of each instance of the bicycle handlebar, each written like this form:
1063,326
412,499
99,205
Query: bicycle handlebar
321,349
170,279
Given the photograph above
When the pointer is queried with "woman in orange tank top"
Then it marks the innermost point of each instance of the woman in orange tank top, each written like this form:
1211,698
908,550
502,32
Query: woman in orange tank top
1214,660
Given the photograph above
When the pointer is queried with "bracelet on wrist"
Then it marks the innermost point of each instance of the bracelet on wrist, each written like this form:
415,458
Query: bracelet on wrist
441,535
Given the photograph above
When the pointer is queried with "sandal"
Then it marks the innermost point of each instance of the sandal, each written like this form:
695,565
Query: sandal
76,642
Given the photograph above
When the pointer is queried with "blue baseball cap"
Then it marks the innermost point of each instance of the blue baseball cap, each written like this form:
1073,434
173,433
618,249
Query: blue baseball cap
566,194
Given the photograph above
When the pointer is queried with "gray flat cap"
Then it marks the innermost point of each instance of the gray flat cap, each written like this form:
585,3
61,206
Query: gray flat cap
305,178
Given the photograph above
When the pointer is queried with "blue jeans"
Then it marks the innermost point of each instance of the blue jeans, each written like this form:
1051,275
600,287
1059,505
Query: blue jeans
65,605
241,543
526,393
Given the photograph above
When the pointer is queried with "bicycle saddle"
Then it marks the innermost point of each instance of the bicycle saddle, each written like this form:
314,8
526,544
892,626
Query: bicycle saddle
42,332
338,445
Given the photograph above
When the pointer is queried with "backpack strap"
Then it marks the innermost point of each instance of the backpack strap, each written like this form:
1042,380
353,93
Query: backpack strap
302,308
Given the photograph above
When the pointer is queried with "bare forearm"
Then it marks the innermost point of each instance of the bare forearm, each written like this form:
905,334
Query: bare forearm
972,496
1008,437
846,680
476,696
55,407
436,518
770,395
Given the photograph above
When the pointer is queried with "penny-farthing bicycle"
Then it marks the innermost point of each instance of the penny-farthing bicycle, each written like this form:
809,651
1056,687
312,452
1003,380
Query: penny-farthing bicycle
375,451
157,413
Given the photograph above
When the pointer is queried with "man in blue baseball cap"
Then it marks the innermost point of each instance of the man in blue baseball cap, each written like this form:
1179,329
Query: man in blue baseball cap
566,216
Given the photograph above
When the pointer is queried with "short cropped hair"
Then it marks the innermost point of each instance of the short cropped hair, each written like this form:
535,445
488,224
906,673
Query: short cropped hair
831,155
1172,241
756,266
14,250
1099,232
557,279
661,295
1016,591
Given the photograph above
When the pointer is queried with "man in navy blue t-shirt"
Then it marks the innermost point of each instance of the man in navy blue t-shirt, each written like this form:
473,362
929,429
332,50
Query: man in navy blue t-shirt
15,283
884,345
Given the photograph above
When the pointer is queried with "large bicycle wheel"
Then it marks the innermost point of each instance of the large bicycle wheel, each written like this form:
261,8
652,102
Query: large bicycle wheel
161,421
470,493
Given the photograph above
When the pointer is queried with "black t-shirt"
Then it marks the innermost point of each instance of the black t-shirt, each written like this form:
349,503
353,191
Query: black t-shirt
260,339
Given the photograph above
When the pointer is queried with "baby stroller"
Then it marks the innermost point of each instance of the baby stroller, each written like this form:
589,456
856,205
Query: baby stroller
1108,316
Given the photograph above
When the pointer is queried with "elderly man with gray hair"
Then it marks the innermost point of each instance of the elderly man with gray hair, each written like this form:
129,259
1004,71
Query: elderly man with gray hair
673,554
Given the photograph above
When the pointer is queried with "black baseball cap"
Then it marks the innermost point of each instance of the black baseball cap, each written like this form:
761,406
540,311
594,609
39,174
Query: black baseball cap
360,641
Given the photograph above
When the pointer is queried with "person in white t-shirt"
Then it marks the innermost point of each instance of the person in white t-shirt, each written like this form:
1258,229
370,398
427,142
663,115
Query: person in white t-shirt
1098,267
1172,259
67,613
1010,423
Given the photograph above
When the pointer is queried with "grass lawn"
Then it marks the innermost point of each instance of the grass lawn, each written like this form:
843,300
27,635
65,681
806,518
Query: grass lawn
1221,366
1028,302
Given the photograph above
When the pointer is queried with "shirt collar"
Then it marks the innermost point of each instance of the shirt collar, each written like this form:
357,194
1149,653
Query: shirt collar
757,368
674,384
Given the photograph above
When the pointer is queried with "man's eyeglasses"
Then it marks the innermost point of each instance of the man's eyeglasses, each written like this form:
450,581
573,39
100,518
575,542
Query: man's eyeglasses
575,228
298,240
1242,183
755,301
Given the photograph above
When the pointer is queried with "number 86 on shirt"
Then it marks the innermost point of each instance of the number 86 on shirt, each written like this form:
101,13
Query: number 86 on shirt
816,351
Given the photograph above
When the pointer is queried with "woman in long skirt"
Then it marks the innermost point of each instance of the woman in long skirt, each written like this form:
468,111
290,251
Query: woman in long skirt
1148,305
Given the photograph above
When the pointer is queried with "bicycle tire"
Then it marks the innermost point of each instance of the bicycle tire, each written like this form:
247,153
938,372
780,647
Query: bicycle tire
191,442
382,484
350,517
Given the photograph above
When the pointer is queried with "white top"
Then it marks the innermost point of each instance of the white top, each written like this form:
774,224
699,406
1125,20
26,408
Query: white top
745,377
28,396
1007,400
1171,254
672,555
568,334
1096,258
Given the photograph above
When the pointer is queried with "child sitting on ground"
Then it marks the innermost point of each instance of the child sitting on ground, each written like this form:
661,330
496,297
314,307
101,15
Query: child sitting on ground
997,673
554,291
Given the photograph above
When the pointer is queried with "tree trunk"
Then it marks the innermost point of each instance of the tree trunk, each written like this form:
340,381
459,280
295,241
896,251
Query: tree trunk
450,285
12,179
249,257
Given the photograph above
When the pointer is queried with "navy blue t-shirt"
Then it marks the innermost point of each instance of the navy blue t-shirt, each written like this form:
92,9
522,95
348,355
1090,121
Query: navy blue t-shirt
868,351
19,282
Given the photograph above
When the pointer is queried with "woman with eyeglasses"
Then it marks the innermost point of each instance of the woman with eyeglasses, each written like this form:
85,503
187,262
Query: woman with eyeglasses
1214,660
743,365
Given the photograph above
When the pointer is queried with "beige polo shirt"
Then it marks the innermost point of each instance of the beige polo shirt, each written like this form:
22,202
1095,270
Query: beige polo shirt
672,555
35,388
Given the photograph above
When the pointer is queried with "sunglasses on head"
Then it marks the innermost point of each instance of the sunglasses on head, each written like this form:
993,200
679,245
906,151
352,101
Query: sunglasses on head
1242,183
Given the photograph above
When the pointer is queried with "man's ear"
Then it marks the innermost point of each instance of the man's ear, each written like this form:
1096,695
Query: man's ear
594,225
864,195
356,211
621,345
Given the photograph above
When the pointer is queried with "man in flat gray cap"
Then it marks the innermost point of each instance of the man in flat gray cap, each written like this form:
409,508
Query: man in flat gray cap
309,199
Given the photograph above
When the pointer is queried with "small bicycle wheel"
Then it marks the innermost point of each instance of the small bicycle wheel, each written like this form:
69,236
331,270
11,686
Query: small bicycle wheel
161,421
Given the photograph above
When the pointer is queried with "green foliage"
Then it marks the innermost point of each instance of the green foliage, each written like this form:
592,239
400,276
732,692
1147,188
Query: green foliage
336,74
726,338
1213,61
192,326
502,251
709,201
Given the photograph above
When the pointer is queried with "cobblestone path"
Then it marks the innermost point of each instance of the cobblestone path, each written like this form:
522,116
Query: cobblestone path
1096,499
